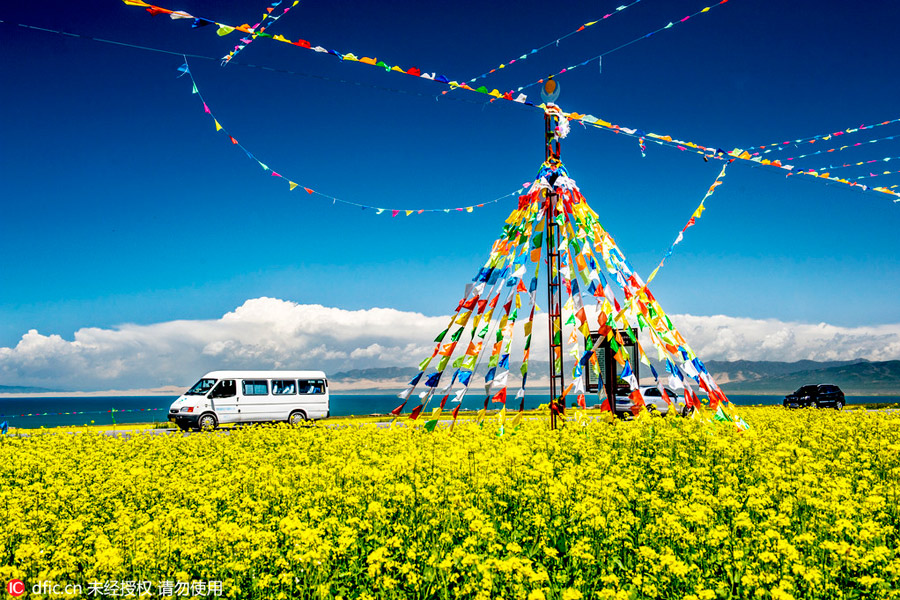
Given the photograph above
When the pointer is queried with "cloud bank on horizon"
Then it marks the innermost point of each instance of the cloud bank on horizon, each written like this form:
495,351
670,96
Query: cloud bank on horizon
266,333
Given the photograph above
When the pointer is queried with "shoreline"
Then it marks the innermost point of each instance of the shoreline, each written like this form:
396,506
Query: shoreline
173,391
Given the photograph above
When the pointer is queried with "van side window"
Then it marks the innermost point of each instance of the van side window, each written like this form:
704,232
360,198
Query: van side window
311,386
284,386
256,387
225,389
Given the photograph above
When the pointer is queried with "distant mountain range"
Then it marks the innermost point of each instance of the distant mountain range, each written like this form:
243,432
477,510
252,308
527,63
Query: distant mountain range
24,389
853,377
860,377
857,377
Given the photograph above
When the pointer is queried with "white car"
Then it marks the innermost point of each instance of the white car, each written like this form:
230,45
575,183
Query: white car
652,398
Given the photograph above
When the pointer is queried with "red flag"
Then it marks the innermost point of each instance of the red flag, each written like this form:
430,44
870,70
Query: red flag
456,411
636,397
521,287
690,398
415,413
500,397
605,405
715,396
396,412
233,141
308,191
444,401
581,402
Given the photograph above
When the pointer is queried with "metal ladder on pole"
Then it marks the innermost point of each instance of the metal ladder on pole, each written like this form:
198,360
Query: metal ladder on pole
554,286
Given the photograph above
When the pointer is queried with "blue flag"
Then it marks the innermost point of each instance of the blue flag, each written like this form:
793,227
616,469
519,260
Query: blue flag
433,379
4,427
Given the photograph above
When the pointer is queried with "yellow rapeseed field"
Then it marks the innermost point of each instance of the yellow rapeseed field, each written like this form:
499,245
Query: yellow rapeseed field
803,505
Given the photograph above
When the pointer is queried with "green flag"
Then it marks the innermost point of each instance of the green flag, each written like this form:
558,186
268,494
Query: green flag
430,425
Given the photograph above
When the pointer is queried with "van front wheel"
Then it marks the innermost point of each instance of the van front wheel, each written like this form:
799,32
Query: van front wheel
297,417
207,422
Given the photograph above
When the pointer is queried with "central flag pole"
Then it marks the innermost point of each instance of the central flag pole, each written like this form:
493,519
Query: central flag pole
554,289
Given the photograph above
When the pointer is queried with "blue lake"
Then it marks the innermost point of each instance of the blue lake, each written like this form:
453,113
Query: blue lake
68,411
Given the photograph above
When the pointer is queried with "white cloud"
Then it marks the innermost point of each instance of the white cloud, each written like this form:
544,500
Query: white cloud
733,338
272,333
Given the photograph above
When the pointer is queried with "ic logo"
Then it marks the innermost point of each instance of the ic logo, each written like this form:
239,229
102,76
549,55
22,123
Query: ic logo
16,587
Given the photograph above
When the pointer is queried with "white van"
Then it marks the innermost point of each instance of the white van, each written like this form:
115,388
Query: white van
252,397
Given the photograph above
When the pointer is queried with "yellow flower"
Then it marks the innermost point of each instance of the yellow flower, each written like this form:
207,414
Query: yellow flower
571,594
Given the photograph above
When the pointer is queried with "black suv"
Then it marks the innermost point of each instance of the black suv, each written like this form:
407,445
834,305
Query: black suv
820,396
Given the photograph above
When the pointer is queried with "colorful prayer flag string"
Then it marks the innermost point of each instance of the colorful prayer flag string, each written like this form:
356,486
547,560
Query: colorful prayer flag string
258,29
224,29
719,154
185,70
869,176
522,99
554,42
821,136
858,164
691,222
617,48
842,148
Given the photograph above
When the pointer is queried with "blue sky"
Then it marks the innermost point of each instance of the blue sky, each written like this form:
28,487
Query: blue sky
121,204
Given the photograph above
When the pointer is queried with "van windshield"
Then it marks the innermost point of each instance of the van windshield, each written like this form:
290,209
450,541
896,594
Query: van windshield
201,387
